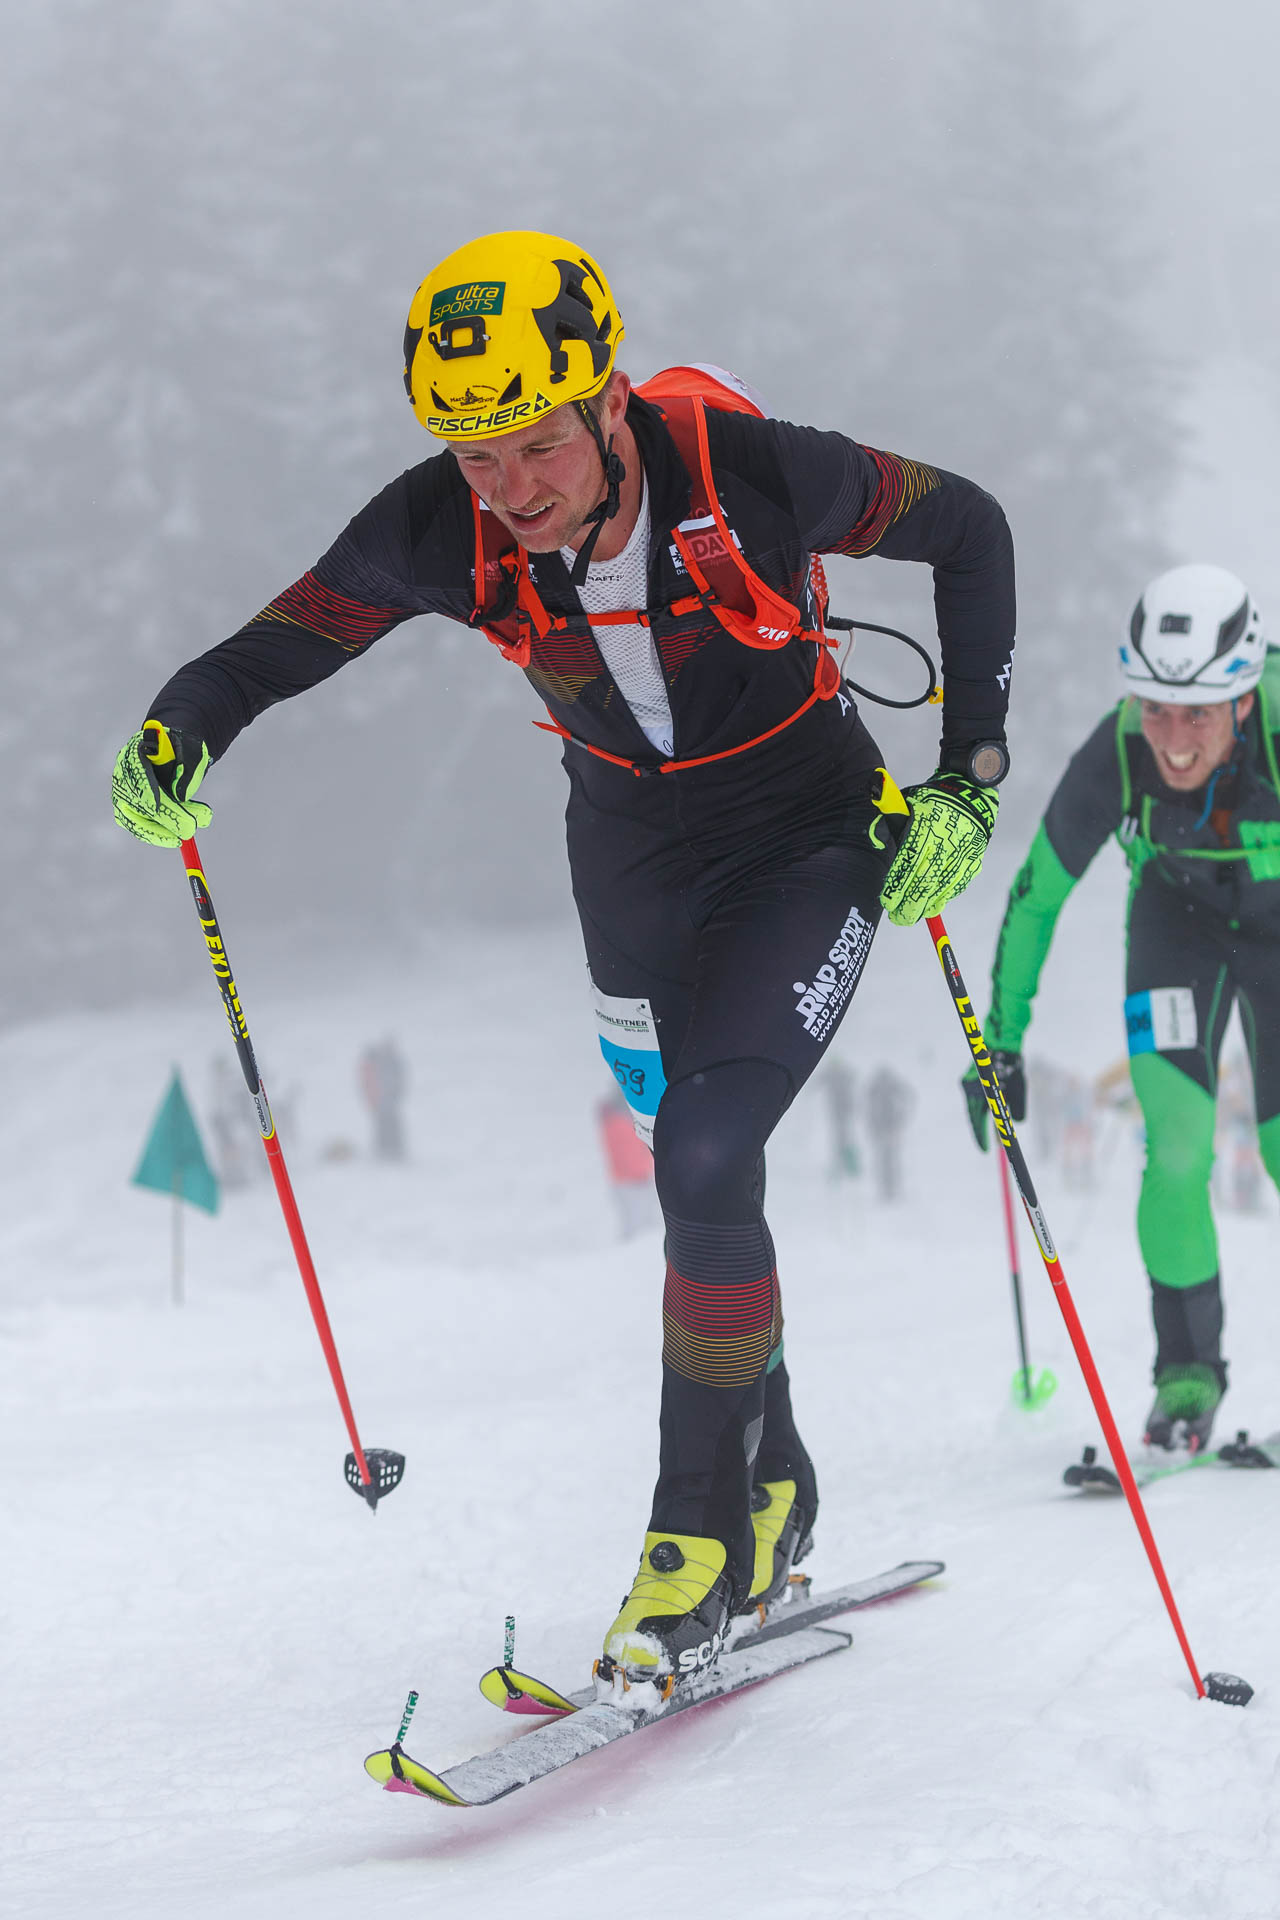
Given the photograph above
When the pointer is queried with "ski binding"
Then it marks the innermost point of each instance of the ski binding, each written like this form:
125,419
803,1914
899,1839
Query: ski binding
1091,1475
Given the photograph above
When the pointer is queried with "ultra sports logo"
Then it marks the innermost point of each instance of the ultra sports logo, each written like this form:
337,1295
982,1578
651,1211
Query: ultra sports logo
827,994
460,303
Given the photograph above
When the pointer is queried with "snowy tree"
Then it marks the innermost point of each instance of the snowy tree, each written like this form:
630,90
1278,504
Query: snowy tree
212,246
1032,369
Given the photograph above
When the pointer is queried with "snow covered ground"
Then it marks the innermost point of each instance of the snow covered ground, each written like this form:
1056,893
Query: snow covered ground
203,1631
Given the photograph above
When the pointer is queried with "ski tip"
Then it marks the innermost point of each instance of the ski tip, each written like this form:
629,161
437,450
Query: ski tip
1228,1688
519,1693
395,1772
915,1574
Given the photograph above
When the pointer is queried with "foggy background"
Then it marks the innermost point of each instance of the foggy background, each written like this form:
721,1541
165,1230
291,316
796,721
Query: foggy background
1033,242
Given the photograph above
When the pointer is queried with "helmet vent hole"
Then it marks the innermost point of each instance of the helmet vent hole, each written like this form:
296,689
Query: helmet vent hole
1230,630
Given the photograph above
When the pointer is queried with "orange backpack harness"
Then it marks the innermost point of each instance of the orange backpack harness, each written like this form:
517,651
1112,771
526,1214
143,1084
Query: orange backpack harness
727,587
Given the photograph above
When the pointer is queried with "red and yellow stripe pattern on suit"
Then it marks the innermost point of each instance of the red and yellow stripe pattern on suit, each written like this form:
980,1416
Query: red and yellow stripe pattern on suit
721,1308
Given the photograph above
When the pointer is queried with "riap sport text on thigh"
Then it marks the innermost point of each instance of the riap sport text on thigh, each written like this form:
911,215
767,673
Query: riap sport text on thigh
851,944
839,969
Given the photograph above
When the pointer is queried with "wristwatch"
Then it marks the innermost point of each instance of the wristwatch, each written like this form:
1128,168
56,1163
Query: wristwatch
985,762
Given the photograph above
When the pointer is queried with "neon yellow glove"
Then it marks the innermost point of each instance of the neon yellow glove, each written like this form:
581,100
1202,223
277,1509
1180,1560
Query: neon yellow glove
156,774
942,848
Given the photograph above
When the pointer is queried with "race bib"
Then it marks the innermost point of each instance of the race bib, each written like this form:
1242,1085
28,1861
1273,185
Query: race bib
629,1043
1161,1020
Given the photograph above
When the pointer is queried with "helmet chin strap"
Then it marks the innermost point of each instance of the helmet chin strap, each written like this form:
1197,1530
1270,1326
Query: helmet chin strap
1238,735
614,475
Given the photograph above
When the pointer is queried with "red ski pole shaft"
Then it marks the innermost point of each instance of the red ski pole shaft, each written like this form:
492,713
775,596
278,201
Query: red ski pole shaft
270,1139
1044,1240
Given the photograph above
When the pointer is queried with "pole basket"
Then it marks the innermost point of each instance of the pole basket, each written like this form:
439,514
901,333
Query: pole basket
386,1471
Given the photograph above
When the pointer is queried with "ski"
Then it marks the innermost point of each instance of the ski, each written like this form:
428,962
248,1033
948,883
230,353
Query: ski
797,1608
520,1693
1089,1475
791,1638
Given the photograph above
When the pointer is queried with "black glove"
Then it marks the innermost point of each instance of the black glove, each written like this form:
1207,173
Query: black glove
1013,1085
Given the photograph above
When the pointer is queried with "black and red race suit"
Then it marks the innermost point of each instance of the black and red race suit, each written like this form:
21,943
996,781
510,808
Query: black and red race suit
736,898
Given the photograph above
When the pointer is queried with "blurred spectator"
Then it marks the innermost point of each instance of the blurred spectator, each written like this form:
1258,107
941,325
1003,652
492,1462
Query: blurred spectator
630,1166
1048,1100
1238,1169
337,1151
233,1128
1113,1090
840,1087
889,1104
284,1111
383,1082
1077,1131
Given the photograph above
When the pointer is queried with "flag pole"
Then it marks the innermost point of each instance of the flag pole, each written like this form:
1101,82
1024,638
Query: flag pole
177,1237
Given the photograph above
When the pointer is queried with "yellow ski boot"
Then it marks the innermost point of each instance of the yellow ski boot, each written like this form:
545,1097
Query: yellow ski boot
672,1624
782,1538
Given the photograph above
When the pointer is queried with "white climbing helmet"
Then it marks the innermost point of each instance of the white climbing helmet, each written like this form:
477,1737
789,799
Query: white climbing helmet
1195,639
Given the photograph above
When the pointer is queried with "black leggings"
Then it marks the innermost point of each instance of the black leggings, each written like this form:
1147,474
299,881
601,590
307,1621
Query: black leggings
748,956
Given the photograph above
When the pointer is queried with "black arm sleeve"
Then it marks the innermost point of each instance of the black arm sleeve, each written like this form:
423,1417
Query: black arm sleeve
1088,801
856,500
272,657
362,587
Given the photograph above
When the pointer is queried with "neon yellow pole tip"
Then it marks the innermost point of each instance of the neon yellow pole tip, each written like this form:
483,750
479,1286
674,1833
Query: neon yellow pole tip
1032,1388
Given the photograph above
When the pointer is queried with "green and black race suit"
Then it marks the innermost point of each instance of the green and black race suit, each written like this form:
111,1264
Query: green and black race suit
1203,936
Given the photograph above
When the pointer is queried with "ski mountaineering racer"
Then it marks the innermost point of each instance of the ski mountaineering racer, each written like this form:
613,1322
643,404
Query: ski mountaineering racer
1184,773
646,557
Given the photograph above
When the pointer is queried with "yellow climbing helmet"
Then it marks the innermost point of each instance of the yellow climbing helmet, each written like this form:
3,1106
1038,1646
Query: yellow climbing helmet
505,329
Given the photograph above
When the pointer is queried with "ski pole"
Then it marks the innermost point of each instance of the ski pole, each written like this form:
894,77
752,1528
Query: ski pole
1032,1393
1015,1278
377,1471
1226,1687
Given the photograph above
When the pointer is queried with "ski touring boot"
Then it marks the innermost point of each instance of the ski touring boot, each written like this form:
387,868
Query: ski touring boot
1182,1414
1190,1373
783,1536
672,1625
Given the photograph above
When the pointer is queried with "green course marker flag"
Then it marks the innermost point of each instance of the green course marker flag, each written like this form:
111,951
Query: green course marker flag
174,1162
